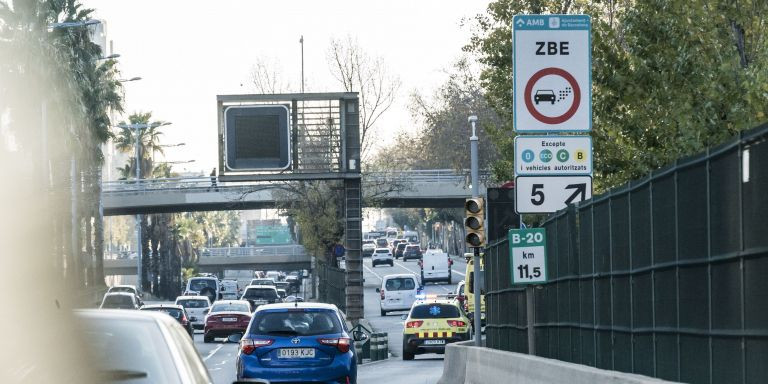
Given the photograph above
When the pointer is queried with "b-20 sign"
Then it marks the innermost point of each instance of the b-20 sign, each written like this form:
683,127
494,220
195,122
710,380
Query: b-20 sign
528,255
552,72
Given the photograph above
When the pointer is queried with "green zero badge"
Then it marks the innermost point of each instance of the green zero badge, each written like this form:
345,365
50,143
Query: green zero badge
528,255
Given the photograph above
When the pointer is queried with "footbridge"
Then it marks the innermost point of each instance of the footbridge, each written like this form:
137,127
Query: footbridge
405,189
216,260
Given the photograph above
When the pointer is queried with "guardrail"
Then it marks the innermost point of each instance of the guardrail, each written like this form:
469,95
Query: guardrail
277,250
202,182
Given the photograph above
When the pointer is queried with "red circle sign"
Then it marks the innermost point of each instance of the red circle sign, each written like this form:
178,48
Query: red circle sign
576,96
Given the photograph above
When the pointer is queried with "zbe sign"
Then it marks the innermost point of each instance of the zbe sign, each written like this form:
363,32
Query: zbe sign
552,73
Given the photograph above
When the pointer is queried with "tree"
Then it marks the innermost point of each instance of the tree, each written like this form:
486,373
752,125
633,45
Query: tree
669,78
356,71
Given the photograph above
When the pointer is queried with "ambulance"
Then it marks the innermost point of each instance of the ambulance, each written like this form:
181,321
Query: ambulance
432,323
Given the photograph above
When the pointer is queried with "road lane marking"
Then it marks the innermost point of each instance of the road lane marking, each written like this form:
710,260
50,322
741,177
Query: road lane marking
371,271
455,271
213,352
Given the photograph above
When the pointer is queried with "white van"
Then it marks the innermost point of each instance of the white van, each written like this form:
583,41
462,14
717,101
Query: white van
435,266
398,292
230,290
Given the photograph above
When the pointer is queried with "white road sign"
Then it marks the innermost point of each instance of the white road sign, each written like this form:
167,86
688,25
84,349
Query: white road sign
547,194
553,155
552,66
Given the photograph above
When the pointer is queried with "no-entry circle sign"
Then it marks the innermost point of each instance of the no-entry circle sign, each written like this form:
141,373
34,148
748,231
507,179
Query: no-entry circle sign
529,97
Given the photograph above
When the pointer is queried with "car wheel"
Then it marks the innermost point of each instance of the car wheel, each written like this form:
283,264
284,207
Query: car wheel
422,277
383,312
391,263
407,355
207,339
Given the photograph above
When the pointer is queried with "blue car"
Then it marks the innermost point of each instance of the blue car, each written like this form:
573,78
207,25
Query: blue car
298,342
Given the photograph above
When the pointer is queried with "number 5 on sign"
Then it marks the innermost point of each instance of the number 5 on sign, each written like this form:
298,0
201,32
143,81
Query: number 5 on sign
528,255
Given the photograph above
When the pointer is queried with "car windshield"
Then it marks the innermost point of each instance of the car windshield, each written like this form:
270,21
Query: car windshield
260,294
401,246
435,311
193,303
262,282
174,312
230,307
130,346
117,301
381,242
412,248
400,284
200,284
295,323
382,251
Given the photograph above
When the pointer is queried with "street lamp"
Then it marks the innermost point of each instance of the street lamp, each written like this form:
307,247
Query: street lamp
112,56
177,162
73,24
136,128
127,80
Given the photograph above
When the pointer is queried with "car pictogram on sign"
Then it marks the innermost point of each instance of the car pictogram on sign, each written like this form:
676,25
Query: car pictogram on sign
544,95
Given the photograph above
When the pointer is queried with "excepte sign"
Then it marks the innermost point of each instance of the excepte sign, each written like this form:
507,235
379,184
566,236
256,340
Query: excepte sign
552,73
553,155
528,255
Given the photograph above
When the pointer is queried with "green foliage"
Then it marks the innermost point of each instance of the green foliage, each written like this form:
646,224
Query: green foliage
316,207
670,78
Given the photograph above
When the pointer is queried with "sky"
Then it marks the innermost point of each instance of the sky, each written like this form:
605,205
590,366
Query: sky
187,52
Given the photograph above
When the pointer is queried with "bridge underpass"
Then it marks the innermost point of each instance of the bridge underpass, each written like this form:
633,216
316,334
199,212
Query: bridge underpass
406,189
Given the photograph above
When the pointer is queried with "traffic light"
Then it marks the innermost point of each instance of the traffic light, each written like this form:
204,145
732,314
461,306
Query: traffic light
474,208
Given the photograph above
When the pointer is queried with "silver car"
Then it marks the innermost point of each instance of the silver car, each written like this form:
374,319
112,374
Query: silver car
141,347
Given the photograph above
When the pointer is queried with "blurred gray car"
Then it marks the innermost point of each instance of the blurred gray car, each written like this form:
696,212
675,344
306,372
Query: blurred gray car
141,347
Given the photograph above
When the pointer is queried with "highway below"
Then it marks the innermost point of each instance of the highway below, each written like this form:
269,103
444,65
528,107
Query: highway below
220,356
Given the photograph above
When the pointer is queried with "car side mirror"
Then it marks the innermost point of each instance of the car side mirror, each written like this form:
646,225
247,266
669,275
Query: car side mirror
378,290
207,310
235,337
359,336
403,317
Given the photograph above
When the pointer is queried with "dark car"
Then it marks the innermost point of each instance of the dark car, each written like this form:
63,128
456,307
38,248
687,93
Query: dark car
261,294
176,311
544,95
412,251
298,342
400,249
225,318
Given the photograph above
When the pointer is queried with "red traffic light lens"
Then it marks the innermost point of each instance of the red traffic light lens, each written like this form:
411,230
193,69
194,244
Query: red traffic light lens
473,206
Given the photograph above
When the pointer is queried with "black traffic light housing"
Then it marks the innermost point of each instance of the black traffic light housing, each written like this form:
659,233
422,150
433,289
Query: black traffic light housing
474,208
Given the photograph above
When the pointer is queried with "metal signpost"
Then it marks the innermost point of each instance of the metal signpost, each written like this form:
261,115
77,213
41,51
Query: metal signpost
552,64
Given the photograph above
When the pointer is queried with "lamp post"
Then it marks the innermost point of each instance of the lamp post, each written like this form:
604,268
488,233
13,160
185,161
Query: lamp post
476,193
136,128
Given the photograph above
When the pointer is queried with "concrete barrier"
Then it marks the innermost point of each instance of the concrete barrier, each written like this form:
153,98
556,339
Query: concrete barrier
465,363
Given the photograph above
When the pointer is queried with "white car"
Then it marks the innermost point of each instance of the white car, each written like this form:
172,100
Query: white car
368,247
382,256
398,292
197,307
435,266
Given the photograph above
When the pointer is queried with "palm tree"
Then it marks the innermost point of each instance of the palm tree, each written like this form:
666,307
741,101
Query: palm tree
59,69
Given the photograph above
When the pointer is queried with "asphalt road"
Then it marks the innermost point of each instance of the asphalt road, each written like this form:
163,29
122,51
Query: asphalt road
220,356
425,368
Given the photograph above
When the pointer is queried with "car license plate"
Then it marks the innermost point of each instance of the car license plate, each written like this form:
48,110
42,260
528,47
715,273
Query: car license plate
434,342
229,319
293,353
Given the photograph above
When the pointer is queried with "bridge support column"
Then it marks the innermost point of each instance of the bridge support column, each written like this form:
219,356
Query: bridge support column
353,235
